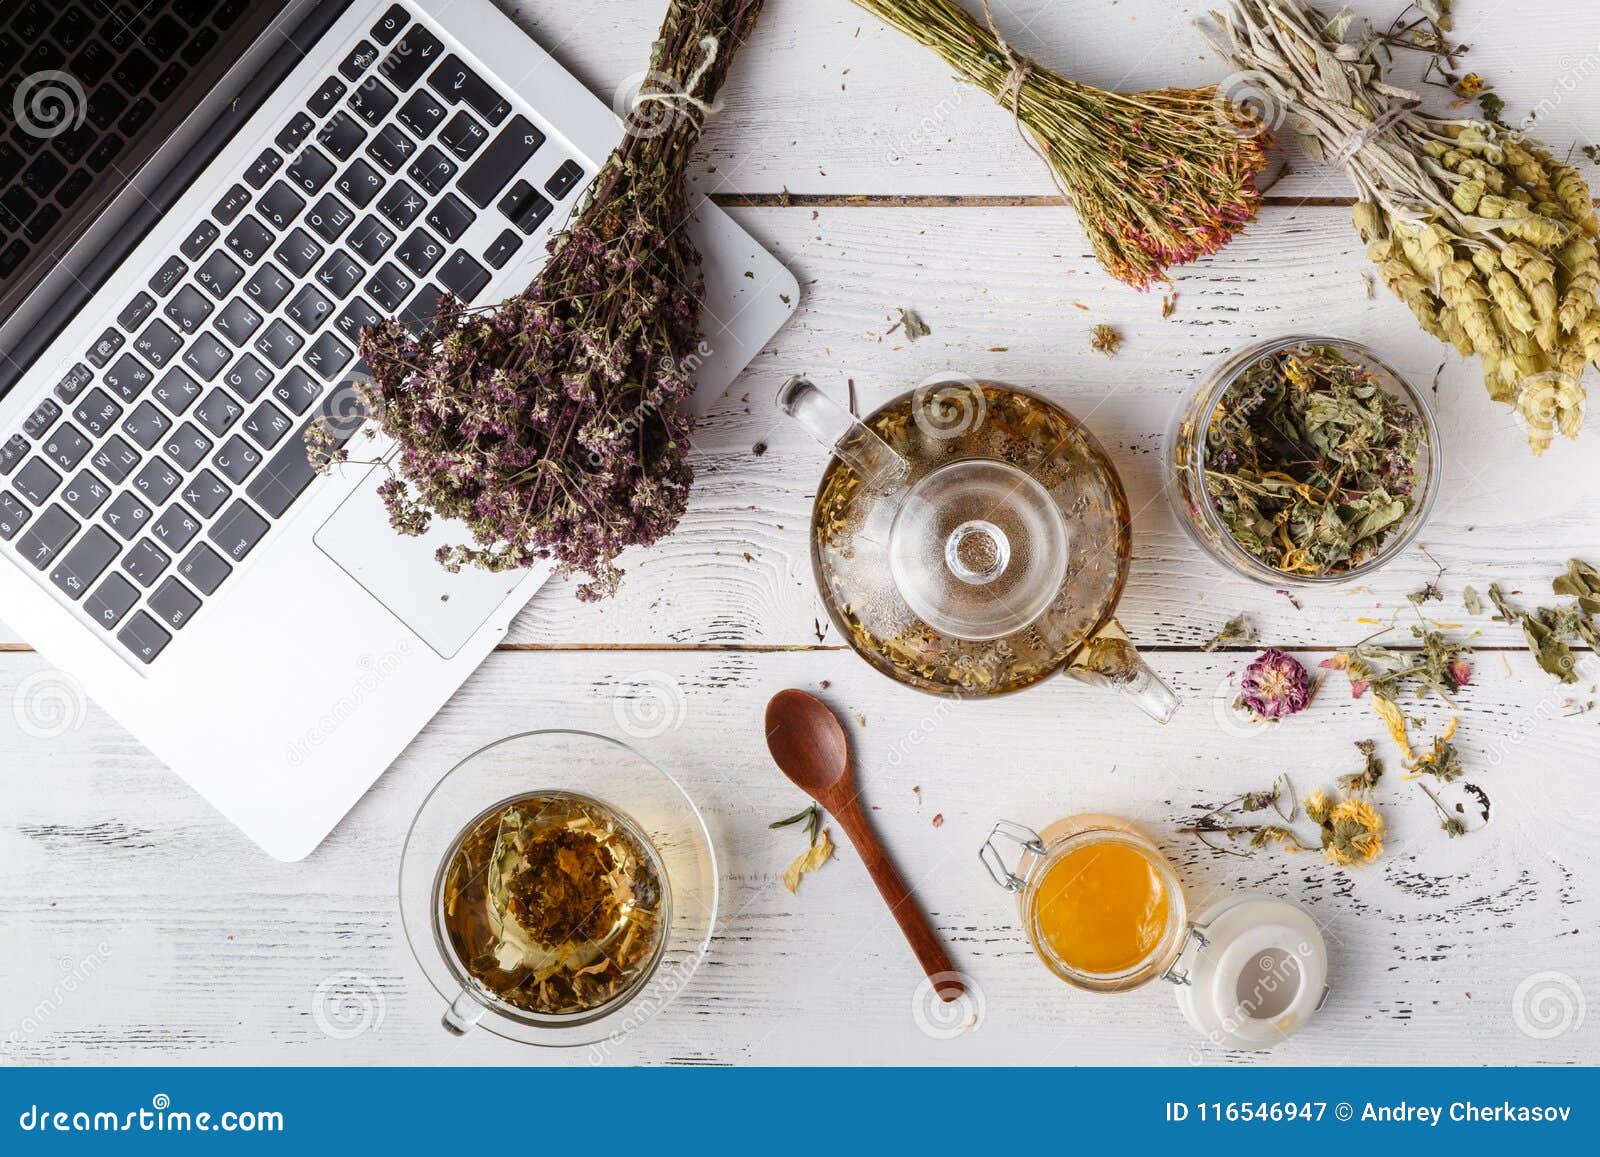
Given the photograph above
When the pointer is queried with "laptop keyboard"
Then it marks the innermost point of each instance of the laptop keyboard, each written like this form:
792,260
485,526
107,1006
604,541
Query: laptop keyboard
170,448
135,55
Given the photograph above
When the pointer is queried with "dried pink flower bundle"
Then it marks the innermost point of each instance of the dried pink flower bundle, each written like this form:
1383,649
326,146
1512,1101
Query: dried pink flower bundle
1275,686
550,425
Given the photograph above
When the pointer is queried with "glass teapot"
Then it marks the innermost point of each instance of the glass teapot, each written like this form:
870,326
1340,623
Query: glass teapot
970,539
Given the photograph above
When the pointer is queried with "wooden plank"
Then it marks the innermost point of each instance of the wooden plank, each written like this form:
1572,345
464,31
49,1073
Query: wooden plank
738,570
205,952
827,100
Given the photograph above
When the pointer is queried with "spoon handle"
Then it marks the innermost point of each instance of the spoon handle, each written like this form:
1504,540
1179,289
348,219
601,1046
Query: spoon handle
919,933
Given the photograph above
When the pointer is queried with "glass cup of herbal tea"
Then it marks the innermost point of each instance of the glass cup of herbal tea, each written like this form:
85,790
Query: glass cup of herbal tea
1303,460
558,888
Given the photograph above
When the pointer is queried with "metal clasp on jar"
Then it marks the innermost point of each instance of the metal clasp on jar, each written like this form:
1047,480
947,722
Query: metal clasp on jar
1025,838
1194,936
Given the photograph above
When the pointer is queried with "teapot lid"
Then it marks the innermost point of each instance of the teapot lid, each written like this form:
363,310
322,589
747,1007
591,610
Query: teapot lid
978,549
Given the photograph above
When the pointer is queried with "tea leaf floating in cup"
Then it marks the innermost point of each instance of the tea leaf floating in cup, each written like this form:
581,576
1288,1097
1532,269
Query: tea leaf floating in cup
554,904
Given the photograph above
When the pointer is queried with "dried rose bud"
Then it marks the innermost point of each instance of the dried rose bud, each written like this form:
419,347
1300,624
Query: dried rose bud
1274,686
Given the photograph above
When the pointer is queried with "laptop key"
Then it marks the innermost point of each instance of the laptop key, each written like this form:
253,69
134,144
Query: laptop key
503,248
326,96
12,452
498,163
42,418
206,356
391,148
294,134
371,239
188,447
175,529
66,446
237,322
73,381
232,204
308,309
146,425
158,344
248,377
111,600
342,135
463,136
126,515
36,481
267,425
420,251
390,24
357,316
463,276
237,459
127,377
362,57
105,348
419,315
249,240
218,412
268,286
330,217
83,565
134,313
86,494
278,344
188,309
564,178
401,204
205,569
372,100
328,356
298,253
311,170
238,531
297,390
411,56
285,477
43,540
432,170
219,274
454,81
176,391
339,274
97,413
451,217
145,562
157,482
174,604
262,169
144,637
115,459
205,493
167,277
360,182
280,205
13,515
390,287
421,114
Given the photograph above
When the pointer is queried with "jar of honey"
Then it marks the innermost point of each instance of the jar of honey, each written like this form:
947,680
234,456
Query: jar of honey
1105,911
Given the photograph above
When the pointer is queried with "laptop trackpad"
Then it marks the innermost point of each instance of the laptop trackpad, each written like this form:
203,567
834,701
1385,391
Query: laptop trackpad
443,609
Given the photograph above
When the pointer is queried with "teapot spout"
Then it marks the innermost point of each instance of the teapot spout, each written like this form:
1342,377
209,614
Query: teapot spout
845,435
1109,659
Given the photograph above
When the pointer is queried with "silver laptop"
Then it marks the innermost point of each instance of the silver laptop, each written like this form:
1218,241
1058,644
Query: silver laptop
202,203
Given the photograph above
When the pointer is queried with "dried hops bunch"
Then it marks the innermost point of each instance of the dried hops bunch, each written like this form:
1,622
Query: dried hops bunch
551,425
1488,239
1158,178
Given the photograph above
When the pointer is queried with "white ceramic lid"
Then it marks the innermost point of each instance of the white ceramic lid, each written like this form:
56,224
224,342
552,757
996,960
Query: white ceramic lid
1256,969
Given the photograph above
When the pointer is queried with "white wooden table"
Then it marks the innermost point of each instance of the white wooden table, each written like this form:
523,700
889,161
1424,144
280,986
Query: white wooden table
906,189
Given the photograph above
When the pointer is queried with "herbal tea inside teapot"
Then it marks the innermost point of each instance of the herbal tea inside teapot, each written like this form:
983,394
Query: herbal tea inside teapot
970,539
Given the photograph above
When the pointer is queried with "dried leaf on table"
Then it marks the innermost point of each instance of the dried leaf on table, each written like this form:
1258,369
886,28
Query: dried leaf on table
808,861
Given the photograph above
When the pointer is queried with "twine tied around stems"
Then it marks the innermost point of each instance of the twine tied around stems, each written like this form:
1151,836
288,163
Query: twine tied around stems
685,98
1020,66
1357,141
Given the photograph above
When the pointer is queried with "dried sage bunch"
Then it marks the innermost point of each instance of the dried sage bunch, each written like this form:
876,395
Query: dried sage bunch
1488,239
1158,178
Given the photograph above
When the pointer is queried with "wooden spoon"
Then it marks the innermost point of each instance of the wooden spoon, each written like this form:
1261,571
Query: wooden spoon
809,746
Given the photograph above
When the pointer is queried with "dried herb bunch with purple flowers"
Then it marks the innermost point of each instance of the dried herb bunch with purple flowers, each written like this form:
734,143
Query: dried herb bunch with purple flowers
551,424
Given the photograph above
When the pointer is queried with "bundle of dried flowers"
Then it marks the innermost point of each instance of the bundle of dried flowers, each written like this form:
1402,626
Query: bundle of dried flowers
550,425
1158,178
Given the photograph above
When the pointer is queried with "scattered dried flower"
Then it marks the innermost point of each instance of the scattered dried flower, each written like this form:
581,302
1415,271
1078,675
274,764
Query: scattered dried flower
1274,686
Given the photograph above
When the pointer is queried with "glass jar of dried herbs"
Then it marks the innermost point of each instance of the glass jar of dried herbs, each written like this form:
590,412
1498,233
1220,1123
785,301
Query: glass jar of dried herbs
1304,460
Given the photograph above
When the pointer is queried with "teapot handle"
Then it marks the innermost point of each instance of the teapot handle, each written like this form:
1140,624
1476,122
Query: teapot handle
1108,659
843,433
